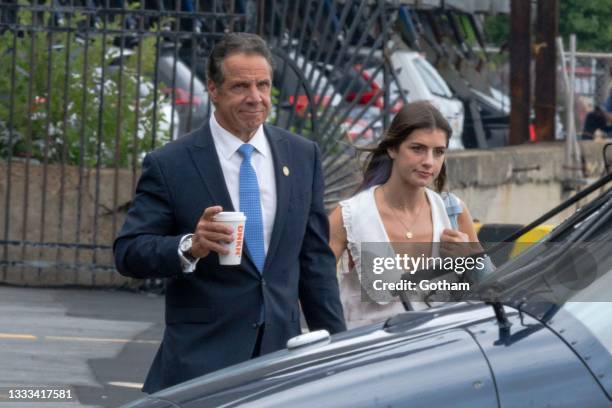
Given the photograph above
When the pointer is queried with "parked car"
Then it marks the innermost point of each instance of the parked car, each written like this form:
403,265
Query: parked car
416,77
303,86
494,111
183,89
187,89
519,349
493,114
423,82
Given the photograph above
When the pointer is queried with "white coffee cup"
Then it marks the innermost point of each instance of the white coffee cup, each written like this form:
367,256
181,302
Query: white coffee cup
236,220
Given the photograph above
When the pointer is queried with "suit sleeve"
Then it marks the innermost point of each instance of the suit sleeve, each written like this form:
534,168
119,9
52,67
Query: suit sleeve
319,293
147,245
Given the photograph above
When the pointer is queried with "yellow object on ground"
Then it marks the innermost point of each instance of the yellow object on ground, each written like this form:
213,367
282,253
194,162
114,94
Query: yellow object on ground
492,233
529,238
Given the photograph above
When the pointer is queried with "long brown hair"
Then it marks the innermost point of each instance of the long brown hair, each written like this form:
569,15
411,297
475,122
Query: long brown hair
413,116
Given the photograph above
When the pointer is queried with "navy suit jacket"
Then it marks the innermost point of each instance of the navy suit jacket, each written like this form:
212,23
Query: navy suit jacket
211,314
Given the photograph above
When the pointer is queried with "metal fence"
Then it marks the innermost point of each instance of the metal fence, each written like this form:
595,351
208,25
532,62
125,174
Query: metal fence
592,83
87,88
341,50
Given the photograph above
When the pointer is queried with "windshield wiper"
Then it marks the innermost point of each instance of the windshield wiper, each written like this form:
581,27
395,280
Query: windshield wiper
500,315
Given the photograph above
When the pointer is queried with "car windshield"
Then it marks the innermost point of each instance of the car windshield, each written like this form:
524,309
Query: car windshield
432,79
573,250
565,282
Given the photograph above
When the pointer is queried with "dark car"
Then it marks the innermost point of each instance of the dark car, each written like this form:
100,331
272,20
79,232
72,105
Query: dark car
544,338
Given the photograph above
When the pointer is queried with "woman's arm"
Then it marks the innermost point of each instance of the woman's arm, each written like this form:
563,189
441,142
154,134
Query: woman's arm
337,233
466,224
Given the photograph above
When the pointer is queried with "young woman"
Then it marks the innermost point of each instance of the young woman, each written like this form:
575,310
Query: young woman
395,204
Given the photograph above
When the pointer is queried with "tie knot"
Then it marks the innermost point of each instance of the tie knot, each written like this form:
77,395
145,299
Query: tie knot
246,150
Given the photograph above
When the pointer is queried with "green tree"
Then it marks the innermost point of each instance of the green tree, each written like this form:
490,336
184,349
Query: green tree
497,29
591,21
92,127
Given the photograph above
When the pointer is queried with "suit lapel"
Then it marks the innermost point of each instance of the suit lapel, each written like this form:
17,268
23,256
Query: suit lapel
282,159
204,156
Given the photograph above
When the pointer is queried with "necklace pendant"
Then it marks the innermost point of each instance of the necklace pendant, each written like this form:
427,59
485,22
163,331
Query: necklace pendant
408,234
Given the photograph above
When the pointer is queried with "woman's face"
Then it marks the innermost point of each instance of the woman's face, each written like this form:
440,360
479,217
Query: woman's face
419,158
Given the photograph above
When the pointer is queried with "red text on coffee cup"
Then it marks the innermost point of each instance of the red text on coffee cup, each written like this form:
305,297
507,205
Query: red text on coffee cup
239,237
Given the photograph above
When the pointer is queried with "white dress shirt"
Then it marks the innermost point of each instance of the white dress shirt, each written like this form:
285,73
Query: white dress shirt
227,146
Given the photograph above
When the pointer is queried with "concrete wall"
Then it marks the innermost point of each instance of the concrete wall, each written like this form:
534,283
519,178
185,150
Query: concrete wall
517,184
507,185
53,213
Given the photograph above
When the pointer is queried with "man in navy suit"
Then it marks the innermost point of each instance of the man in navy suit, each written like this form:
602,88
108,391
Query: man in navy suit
218,315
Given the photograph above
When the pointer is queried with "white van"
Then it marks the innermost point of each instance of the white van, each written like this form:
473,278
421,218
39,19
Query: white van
421,81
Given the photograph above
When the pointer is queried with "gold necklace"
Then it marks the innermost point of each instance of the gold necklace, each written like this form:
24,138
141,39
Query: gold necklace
408,233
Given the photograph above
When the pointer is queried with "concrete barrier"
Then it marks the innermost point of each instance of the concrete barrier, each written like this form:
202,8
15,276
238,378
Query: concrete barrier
517,184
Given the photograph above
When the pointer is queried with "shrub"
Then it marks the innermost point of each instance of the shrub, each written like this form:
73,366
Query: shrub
95,121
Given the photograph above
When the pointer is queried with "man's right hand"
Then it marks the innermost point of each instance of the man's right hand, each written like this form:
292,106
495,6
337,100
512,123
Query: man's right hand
210,235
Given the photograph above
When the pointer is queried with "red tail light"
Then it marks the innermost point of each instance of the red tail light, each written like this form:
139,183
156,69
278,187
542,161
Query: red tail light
182,97
532,133
367,96
301,103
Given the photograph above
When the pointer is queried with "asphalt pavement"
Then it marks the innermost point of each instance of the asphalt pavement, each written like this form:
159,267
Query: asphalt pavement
98,344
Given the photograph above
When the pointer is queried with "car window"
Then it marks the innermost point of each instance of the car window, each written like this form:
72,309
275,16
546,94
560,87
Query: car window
432,79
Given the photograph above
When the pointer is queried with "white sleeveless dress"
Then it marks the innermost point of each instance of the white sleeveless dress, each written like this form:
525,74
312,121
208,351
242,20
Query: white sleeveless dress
363,223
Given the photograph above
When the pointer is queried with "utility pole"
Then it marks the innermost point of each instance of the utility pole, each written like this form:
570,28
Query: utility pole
547,30
520,63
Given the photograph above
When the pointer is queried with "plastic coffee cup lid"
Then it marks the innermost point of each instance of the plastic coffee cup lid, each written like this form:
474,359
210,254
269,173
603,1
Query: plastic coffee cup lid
230,216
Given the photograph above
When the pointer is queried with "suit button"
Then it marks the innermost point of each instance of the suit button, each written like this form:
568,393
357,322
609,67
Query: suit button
255,325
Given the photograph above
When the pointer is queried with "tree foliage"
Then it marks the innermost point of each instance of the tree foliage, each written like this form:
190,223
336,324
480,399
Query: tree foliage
60,108
591,21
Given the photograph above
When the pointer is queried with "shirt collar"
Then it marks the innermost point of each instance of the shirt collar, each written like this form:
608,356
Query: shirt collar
228,143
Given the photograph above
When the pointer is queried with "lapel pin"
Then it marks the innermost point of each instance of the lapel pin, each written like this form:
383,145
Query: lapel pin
285,170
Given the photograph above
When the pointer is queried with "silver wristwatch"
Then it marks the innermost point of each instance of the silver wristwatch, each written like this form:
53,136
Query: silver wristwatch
185,248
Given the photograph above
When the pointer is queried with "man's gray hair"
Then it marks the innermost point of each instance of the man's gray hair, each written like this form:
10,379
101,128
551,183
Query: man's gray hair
235,43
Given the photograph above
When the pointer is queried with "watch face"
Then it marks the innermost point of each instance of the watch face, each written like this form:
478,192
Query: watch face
186,245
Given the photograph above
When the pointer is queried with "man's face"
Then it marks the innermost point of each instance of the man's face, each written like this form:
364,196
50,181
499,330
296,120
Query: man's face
242,101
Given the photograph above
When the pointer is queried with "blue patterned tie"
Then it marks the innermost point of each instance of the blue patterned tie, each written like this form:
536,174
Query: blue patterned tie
250,205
